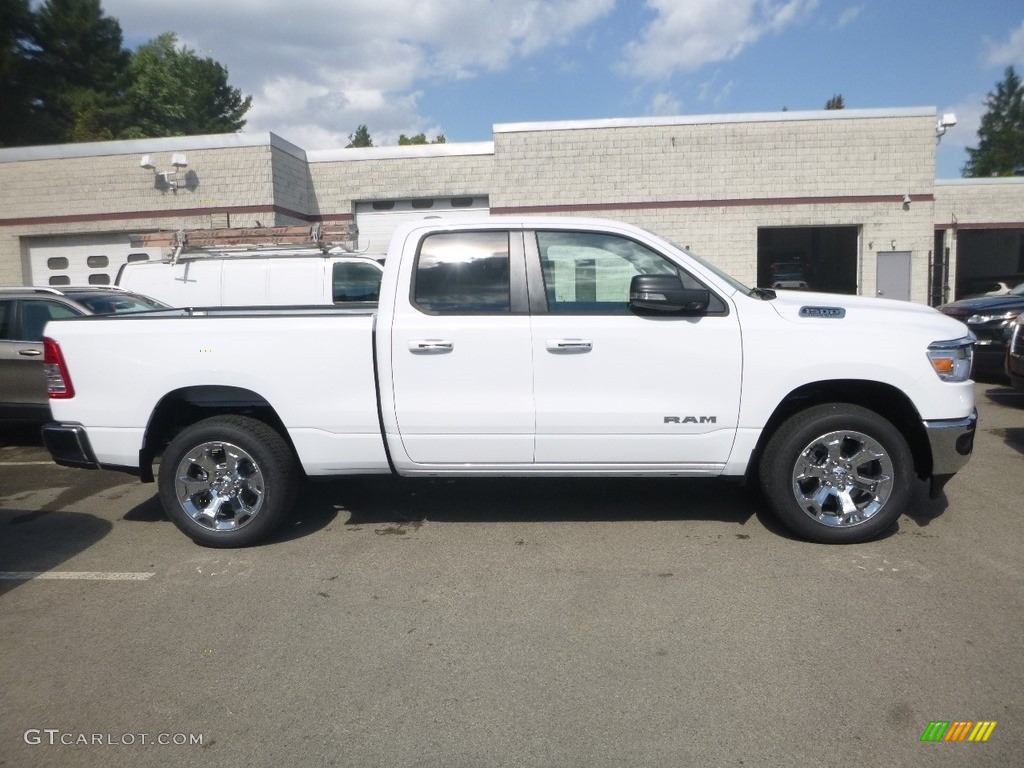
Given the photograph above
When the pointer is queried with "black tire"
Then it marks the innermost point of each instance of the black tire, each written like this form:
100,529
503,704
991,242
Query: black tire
837,473
228,481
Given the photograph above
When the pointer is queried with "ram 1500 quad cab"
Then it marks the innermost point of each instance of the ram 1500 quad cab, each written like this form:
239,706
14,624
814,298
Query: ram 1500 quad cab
524,346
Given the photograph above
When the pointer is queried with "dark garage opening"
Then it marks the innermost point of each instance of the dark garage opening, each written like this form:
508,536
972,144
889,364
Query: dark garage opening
988,259
808,258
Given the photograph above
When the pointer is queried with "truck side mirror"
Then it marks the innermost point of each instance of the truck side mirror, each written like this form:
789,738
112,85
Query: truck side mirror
665,293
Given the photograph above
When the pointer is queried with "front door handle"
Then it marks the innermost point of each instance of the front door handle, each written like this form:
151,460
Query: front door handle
431,346
568,346
29,352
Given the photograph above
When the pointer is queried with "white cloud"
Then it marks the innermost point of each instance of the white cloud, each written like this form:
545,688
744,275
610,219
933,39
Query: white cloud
1010,52
684,36
715,92
665,104
848,15
316,69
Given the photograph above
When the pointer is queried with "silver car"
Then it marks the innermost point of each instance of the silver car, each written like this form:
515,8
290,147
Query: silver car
24,312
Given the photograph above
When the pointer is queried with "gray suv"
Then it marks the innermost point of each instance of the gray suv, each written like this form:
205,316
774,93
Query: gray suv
24,312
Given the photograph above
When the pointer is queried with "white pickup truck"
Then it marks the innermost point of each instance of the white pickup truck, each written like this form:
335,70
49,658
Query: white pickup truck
524,346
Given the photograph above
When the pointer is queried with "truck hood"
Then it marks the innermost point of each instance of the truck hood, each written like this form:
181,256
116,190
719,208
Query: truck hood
815,309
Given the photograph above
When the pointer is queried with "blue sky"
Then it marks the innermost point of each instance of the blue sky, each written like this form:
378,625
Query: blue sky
318,69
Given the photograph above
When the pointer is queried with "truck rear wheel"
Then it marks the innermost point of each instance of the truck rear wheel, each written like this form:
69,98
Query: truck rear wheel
227,481
837,473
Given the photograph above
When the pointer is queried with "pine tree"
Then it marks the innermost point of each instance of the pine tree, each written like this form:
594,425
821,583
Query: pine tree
79,72
1000,150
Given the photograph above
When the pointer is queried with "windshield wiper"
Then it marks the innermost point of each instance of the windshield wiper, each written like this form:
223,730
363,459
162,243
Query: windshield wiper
762,293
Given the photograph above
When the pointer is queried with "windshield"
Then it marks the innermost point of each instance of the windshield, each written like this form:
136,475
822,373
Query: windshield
1018,291
116,303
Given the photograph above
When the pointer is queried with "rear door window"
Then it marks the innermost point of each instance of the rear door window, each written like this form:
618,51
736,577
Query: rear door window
463,273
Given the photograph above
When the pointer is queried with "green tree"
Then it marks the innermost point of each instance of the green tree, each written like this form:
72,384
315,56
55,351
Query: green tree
420,138
836,102
16,27
77,71
1000,150
361,138
174,92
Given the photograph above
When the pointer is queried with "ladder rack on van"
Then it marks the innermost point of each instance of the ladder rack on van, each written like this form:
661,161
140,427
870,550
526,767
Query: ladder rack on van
200,243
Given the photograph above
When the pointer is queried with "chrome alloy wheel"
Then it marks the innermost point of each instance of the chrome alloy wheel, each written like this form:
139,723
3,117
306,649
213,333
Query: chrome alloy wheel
219,486
843,478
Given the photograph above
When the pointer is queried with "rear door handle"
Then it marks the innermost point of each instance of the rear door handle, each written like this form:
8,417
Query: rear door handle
569,346
431,346
29,352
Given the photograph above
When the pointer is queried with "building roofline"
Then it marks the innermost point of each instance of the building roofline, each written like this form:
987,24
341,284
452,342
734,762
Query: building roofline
753,117
406,151
143,146
986,181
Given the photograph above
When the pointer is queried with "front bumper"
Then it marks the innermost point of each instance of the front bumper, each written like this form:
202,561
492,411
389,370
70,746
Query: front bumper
952,443
69,445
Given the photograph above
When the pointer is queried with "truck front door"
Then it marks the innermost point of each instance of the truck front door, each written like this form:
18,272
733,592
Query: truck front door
614,389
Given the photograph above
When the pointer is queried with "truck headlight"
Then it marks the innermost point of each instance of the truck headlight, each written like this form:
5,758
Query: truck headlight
951,360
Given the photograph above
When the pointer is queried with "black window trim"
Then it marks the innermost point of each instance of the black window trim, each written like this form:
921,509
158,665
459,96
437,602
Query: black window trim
518,300
538,294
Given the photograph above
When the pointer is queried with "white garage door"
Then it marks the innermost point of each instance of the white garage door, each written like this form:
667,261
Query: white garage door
82,259
378,219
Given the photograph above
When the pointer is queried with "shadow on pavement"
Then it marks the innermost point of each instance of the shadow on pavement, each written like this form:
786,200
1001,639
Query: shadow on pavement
31,540
398,500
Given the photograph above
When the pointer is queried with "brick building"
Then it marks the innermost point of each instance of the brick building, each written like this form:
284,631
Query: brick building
849,196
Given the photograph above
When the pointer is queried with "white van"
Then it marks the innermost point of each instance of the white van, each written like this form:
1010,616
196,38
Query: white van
256,278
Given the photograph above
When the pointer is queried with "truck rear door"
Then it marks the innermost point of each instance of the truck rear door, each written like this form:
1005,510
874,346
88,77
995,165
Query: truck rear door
461,367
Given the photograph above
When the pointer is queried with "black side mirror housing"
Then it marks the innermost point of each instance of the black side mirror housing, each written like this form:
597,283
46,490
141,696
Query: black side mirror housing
665,293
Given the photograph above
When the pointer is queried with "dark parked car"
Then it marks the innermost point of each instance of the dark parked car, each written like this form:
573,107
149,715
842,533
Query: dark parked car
1015,352
988,317
24,312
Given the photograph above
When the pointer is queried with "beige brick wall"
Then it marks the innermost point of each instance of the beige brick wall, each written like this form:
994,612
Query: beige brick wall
720,161
705,182
337,184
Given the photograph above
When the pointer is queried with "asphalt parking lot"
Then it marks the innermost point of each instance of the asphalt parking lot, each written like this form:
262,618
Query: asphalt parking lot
500,623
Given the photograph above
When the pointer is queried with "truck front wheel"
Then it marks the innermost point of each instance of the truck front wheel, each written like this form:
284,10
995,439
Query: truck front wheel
837,473
227,481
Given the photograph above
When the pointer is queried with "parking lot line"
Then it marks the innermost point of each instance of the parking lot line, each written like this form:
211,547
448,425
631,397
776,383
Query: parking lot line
24,463
76,575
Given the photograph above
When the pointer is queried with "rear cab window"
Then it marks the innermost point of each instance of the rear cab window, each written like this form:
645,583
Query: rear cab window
463,273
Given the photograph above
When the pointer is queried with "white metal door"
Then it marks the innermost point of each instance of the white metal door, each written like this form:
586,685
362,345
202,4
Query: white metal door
377,220
892,275
82,259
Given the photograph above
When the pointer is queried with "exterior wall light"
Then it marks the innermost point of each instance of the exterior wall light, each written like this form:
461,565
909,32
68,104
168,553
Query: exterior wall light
165,178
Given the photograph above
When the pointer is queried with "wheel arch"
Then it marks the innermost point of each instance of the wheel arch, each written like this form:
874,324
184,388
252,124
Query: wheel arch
884,399
185,406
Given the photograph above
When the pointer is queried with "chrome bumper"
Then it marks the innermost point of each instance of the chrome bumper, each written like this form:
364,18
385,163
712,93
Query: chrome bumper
952,442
